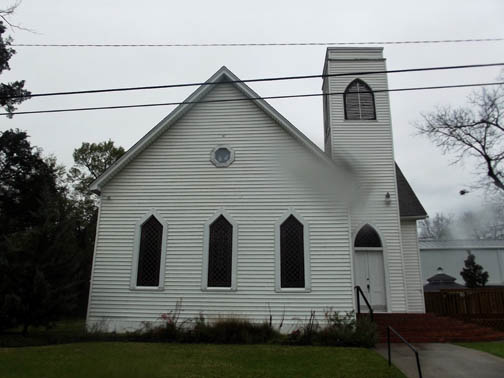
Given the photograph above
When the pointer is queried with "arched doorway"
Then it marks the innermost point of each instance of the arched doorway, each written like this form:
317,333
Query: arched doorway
369,267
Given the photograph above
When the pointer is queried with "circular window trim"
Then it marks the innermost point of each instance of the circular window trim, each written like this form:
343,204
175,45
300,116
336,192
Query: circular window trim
224,164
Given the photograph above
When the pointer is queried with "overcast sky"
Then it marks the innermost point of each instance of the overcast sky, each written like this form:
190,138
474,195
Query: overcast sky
435,181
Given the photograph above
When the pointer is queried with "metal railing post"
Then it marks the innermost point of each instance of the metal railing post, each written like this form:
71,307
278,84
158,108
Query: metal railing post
418,365
389,329
388,345
358,300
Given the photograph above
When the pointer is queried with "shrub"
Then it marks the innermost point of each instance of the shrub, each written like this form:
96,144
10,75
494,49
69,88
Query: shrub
366,334
346,330
233,331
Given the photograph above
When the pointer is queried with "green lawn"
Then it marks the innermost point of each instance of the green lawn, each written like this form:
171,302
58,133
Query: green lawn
493,347
127,360
64,331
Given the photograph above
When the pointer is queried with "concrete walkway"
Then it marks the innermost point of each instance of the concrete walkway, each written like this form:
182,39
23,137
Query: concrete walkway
444,360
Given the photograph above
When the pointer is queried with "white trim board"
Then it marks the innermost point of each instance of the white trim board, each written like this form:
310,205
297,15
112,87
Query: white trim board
136,252
306,252
234,253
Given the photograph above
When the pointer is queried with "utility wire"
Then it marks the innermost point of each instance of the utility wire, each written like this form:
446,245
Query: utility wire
249,99
256,44
302,77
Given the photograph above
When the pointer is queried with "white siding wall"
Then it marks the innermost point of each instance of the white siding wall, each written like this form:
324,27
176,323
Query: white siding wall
175,177
367,146
412,267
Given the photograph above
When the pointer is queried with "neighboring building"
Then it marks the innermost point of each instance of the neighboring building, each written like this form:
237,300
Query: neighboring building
450,255
227,207
441,281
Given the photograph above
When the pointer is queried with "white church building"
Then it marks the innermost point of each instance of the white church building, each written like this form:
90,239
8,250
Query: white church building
228,209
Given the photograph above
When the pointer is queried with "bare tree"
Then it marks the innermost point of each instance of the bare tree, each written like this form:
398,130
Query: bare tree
5,15
485,223
476,130
436,228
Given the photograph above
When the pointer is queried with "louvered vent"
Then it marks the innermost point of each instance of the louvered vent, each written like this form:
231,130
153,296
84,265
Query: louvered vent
292,253
367,237
220,254
359,101
149,257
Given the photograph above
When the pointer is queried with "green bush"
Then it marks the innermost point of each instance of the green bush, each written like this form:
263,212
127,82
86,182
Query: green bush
233,331
338,330
306,334
347,330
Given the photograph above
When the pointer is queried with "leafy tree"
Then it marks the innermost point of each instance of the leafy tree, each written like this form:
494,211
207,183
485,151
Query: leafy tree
40,268
473,273
437,228
476,130
23,177
39,253
91,160
12,93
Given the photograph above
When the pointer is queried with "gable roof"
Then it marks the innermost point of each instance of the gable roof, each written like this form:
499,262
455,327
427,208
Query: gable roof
409,205
221,76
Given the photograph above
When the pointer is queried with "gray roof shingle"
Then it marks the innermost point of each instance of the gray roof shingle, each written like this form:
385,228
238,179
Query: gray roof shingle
409,204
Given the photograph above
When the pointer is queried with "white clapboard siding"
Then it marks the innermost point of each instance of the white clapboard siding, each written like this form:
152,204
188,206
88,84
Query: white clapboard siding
412,266
367,146
174,176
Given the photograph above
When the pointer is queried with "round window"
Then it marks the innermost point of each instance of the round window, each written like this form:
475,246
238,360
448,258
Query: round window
222,156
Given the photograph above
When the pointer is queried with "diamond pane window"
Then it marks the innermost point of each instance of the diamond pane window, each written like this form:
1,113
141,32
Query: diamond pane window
292,253
367,237
220,253
149,257
359,101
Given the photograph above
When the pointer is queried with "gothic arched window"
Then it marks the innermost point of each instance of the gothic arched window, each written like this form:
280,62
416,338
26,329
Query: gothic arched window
292,269
367,237
359,101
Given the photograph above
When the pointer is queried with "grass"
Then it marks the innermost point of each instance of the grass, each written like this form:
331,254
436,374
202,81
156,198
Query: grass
131,360
493,347
64,330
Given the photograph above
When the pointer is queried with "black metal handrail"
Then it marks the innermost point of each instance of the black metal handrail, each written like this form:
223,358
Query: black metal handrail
389,328
359,292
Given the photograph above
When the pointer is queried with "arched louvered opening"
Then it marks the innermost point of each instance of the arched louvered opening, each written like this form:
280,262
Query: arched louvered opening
359,101
292,269
220,253
367,237
149,256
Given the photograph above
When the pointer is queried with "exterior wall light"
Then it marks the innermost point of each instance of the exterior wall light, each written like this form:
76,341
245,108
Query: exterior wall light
387,198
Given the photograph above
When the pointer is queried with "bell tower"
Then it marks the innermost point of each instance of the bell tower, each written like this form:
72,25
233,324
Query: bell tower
358,129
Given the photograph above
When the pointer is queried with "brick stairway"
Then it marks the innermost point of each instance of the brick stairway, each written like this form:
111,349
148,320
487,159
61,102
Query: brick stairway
424,328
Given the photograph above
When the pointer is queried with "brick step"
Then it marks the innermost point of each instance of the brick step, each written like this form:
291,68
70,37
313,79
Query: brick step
420,328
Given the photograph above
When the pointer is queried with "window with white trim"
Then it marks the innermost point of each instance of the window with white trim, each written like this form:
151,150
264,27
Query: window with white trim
220,253
292,259
359,101
149,254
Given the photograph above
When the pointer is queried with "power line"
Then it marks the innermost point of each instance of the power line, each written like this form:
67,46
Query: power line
301,77
257,44
248,99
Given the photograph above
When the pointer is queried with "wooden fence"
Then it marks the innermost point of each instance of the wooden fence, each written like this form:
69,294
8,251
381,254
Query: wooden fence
465,301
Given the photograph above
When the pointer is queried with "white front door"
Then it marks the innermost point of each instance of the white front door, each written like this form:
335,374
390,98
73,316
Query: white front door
370,276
